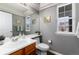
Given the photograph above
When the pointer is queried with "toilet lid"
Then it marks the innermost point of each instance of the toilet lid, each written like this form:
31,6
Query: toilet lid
43,46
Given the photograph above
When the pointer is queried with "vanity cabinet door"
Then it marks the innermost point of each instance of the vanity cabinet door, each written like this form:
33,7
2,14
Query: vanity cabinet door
31,49
19,52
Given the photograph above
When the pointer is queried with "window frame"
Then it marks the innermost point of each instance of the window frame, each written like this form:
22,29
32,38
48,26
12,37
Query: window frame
73,18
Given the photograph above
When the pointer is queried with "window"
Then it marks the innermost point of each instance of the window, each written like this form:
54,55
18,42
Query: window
66,19
65,11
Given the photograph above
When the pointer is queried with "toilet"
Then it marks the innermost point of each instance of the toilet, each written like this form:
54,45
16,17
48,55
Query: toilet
42,47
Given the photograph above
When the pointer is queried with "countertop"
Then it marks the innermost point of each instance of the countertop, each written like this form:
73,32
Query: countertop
12,46
32,36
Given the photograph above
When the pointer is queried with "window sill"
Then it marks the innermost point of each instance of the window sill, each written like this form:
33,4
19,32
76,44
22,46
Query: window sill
66,33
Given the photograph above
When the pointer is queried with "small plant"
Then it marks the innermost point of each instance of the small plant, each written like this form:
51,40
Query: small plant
2,38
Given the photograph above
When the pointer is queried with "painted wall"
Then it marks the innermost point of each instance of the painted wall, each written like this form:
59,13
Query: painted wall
62,44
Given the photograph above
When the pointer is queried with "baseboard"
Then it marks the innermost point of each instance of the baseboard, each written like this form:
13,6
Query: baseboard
54,52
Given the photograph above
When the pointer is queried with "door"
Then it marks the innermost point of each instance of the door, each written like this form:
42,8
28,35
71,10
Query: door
5,24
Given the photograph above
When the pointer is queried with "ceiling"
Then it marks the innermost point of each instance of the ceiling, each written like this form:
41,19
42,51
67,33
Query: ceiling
26,8
46,5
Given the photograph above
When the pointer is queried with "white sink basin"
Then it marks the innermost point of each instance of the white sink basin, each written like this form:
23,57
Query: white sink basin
19,42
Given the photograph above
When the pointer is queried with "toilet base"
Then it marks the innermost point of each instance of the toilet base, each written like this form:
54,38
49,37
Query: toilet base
39,52
43,53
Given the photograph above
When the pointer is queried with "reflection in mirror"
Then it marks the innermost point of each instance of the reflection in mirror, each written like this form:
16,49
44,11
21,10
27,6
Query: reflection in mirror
35,23
28,23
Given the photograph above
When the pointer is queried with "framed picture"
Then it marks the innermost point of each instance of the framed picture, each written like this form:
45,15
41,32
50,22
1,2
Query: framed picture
47,19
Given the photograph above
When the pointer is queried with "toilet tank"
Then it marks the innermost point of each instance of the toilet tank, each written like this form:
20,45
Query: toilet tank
37,40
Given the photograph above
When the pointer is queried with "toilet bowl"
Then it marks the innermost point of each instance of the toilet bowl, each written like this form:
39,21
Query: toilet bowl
42,47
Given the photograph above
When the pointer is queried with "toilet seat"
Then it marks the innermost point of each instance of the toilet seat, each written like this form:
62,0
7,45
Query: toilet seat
42,47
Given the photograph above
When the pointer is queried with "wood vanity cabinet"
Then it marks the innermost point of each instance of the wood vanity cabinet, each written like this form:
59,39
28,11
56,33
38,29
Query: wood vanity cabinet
19,52
29,50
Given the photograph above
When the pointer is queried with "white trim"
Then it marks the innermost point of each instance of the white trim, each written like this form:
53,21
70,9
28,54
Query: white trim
54,52
74,16
66,33
47,6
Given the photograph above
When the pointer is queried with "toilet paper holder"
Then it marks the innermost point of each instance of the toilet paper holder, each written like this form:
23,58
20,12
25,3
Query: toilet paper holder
49,41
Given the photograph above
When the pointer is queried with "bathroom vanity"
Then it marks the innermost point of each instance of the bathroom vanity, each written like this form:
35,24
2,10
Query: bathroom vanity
28,50
23,46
